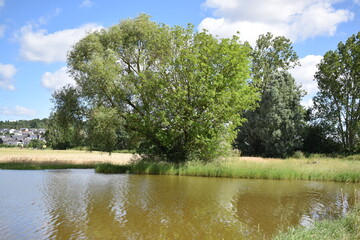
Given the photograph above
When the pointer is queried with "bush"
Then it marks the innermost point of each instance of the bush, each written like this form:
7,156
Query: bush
298,155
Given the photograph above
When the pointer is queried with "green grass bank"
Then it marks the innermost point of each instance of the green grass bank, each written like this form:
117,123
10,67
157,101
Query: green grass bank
33,165
317,169
346,228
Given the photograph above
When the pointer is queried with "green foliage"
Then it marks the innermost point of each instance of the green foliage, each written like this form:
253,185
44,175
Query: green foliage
180,91
102,129
34,123
36,143
321,169
338,100
65,124
274,128
316,140
36,165
298,155
269,55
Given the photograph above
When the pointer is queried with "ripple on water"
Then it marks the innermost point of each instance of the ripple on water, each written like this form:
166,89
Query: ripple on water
79,204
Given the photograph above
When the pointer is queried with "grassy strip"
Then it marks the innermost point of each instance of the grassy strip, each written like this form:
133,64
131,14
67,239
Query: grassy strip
347,228
291,169
28,165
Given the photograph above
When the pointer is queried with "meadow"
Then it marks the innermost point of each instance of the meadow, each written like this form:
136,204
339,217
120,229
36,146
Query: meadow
23,158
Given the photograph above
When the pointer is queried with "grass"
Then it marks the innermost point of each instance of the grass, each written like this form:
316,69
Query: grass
11,155
347,228
35,165
318,169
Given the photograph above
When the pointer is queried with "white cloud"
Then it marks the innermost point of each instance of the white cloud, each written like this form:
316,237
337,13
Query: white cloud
307,103
304,74
297,20
7,71
38,45
87,3
18,110
2,3
57,79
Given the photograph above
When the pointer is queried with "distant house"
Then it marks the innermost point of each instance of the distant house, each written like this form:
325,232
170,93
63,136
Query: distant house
41,131
33,136
26,142
10,141
4,139
12,131
21,137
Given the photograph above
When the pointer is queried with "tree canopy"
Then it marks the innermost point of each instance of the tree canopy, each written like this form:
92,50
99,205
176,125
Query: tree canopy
181,91
337,103
274,128
65,124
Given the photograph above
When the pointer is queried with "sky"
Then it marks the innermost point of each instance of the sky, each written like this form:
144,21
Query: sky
36,35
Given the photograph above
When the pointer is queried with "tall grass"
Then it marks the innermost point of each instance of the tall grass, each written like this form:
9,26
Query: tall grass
347,228
293,169
35,165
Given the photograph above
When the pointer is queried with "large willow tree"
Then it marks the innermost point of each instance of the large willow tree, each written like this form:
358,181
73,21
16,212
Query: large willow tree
181,91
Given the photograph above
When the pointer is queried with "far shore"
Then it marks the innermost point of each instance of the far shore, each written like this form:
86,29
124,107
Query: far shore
82,156
63,156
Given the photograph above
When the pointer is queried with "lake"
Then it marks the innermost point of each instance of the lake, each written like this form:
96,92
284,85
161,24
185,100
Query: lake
80,204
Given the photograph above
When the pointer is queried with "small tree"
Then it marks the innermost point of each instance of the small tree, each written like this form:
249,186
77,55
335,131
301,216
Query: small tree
65,125
36,143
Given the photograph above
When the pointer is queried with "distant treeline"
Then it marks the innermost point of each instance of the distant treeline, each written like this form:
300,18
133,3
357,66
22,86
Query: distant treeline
34,123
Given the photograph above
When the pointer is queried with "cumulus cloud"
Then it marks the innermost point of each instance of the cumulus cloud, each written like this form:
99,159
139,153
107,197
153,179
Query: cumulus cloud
87,3
18,110
40,46
297,20
304,74
7,71
57,79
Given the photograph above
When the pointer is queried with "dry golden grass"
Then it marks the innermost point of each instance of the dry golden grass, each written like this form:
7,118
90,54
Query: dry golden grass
64,156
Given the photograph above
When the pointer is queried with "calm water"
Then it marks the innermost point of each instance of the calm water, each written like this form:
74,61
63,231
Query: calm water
80,204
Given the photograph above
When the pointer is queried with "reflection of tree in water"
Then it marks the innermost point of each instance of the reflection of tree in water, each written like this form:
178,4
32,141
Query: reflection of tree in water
179,207
81,204
66,198
276,205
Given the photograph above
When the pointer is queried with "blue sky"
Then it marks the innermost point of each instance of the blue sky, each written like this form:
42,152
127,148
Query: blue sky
36,35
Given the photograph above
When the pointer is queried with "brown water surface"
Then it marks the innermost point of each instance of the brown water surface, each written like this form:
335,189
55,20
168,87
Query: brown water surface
80,204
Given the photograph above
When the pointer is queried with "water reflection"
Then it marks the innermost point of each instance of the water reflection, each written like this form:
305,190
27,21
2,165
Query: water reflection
79,204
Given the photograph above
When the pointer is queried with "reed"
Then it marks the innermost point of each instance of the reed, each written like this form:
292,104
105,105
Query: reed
347,228
35,165
339,170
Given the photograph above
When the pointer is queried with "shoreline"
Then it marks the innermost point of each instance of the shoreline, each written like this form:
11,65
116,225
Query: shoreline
313,169
8,155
